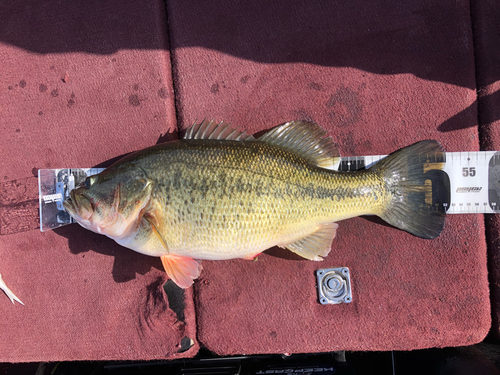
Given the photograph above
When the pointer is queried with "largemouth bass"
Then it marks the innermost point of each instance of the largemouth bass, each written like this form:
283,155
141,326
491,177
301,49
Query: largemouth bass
220,194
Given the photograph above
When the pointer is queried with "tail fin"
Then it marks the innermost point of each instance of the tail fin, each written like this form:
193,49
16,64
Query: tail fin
405,176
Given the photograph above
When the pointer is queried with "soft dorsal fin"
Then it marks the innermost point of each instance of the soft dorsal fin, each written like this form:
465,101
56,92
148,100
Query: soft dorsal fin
216,131
308,140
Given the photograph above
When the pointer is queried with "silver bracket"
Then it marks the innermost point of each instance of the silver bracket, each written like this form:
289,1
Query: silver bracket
334,285
54,186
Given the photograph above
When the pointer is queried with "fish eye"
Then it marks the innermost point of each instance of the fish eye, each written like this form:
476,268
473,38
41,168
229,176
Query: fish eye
89,181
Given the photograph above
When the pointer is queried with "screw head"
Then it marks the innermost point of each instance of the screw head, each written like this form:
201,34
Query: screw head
334,283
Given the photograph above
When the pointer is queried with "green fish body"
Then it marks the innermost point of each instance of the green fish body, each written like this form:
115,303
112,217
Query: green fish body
222,194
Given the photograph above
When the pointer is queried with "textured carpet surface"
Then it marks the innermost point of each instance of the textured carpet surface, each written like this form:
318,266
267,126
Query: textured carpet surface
406,74
487,50
81,84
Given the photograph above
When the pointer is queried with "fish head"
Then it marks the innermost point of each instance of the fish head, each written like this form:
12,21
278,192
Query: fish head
111,202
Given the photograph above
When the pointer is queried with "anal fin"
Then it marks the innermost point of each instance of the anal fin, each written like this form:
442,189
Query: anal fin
315,245
182,270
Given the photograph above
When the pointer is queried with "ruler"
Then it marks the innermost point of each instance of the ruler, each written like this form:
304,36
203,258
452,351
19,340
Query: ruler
54,186
468,184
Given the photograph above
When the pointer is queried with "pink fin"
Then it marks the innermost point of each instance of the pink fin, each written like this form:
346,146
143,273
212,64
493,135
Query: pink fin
252,257
182,270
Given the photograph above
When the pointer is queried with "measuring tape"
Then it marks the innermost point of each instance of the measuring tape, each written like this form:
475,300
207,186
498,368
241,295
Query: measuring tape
468,184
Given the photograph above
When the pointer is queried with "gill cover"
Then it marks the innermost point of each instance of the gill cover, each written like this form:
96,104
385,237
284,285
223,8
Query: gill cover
112,201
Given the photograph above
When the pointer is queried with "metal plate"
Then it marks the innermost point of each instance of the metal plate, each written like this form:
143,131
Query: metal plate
54,186
334,285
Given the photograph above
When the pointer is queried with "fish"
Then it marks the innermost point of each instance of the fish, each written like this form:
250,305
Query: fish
220,193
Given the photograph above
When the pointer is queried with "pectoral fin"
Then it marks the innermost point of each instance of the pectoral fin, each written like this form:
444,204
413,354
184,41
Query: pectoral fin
317,244
153,222
182,270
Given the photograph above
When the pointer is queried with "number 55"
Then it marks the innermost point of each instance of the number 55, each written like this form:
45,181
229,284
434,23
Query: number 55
469,172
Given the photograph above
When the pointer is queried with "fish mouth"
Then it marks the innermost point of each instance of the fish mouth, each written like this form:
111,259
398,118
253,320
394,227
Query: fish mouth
78,206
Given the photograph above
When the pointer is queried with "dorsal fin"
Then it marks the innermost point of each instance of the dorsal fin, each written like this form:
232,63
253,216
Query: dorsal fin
216,131
308,140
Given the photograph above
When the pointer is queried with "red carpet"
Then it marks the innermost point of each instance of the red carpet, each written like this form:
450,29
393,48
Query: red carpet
487,50
378,77
82,84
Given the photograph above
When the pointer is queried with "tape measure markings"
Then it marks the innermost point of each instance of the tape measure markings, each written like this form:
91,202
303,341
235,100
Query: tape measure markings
472,179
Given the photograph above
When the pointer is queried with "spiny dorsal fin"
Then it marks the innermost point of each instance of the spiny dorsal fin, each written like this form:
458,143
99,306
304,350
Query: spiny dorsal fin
216,131
317,244
308,140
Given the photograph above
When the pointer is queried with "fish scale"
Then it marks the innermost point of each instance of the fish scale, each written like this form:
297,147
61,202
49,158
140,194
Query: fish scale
254,196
